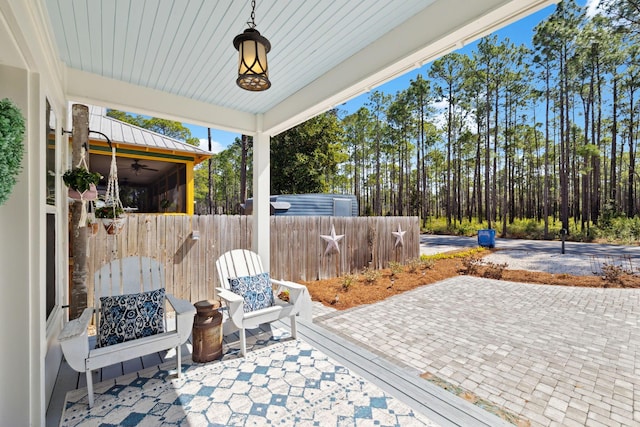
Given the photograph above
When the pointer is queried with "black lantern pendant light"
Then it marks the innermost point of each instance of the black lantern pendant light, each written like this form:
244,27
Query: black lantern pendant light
253,72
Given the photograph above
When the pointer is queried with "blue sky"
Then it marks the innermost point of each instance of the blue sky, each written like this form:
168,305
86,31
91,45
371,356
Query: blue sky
520,32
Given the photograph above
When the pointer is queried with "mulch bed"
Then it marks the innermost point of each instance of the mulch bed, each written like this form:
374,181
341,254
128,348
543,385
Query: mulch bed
343,293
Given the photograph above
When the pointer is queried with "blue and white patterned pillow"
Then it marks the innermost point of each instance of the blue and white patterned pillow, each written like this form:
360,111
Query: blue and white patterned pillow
128,317
256,291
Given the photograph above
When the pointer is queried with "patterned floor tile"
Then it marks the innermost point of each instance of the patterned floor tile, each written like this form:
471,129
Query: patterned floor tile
286,384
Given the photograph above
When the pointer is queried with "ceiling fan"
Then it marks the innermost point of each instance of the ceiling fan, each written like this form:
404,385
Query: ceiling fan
137,168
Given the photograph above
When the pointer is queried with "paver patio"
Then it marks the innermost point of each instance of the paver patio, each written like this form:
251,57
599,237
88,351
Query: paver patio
553,355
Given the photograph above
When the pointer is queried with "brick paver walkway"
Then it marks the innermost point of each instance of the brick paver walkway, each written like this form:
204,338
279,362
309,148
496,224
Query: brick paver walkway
553,355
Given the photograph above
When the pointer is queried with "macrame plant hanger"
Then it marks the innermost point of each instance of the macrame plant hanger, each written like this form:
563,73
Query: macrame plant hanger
112,197
83,211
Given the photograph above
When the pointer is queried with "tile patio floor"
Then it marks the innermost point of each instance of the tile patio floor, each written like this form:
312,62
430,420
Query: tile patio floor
557,356
439,406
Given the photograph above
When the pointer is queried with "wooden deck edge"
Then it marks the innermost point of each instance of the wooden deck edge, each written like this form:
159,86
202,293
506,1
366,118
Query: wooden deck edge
437,404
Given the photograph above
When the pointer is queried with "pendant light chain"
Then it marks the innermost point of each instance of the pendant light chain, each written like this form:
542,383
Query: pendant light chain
252,24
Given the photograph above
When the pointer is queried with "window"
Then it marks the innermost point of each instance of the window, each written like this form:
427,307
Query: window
51,263
50,200
50,133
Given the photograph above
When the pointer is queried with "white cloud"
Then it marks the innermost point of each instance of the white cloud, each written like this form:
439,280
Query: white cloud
216,146
443,104
592,7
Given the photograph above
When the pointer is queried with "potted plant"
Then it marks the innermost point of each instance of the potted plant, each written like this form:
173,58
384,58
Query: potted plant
92,223
81,183
112,218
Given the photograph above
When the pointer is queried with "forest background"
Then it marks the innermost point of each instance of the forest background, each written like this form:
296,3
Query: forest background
530,140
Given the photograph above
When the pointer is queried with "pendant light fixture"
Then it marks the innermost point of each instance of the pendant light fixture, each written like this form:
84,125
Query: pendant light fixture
253,72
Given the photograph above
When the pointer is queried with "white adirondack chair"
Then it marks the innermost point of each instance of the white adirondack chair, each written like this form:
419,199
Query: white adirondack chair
121,277
241,263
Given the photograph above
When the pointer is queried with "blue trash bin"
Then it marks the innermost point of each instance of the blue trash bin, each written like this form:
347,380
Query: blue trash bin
487,238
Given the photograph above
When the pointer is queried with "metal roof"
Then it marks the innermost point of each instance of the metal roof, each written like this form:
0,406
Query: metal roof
121,132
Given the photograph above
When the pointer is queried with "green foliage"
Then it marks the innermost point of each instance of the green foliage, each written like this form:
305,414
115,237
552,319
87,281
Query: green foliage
80,179
526,229
463,228
396,268
11,147
619,229
305,158
225,167
625,14
348,280
371,275
109,212
426,264
461,254
413,264
127,118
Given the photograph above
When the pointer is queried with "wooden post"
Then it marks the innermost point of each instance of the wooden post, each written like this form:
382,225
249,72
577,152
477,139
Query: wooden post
80,121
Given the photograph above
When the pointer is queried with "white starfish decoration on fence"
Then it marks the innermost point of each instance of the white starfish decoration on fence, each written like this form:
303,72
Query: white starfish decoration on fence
332,241
399,237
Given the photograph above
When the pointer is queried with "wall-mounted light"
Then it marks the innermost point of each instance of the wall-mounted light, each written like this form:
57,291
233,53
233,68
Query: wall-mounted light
253,71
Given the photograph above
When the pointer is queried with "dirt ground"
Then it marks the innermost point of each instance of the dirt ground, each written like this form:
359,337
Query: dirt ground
350,291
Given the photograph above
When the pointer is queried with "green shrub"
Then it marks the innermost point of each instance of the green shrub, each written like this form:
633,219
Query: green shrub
370,275
348,280
612,273
396,268
413,265
493,270
470,265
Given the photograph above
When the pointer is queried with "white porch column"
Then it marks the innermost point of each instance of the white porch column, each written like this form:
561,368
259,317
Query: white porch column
261,199
22,265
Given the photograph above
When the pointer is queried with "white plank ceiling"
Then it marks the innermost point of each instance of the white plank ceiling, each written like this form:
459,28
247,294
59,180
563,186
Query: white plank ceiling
184,47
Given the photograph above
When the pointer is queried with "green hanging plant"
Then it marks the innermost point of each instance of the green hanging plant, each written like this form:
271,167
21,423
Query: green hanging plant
109,212
80,179
11,147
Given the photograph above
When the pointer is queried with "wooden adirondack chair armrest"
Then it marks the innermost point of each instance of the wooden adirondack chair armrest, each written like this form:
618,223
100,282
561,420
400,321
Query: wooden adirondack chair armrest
299,297
296,290
181,306
288,284
74,340
229,296
184,316
235,305
76,327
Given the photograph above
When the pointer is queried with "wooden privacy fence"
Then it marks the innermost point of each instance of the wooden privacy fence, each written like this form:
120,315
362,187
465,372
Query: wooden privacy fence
297,250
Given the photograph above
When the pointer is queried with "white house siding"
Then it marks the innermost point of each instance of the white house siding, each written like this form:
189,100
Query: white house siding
20,330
